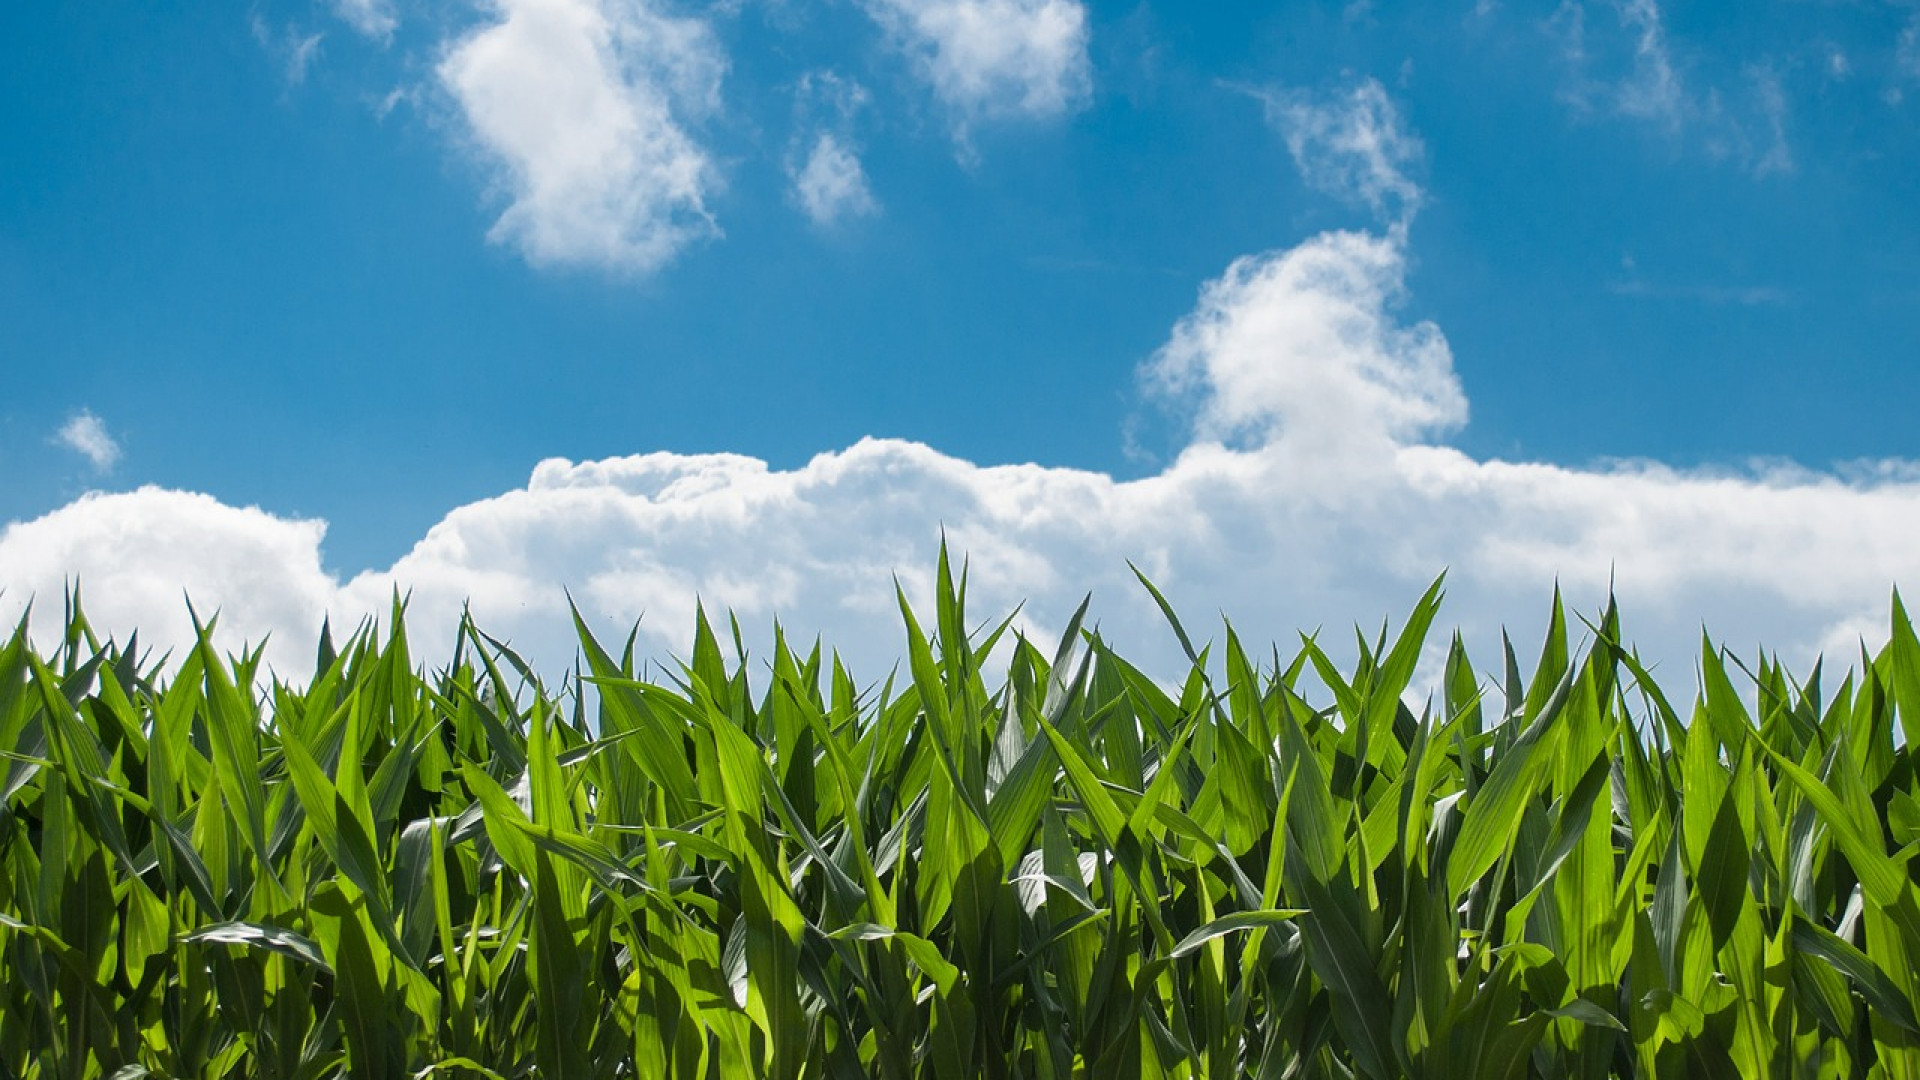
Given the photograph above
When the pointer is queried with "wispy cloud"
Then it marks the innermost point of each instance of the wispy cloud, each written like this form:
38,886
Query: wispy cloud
1778,155
823,161
376,19
1350,144
1652,90
296,51
994,59
1839,65
1621,62
86,435
1741,295
831,186
580,107
1626,67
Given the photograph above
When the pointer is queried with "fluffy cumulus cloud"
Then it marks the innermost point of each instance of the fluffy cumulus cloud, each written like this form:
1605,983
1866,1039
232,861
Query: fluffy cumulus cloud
1291,350
582,109
138,556
1316,489
86,434
1335,503
992,59
831,186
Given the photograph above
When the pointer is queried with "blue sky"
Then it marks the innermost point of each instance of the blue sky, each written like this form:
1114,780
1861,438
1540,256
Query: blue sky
369,263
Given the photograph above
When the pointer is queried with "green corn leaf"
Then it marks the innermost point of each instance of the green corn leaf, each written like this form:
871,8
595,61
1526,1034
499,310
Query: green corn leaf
1085,869
1871,983
1235,923
1493,817
274,939
1880,874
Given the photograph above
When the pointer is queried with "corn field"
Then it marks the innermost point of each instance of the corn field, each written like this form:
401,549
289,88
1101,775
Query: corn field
741,866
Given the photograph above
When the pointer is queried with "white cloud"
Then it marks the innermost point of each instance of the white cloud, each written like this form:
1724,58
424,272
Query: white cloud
994,59
137,555
1295,351
373,18
1352,145
1339,506
295,51
1628,66
581,106
1653,90
1630,72
825,91
1742,295
1778,155
1569,23
832,186
300,57
1315,492
86,435
1838,65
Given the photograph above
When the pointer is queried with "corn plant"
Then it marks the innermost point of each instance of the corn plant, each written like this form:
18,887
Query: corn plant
1275,867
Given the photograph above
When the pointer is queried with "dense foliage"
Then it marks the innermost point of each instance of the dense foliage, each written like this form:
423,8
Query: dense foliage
759,867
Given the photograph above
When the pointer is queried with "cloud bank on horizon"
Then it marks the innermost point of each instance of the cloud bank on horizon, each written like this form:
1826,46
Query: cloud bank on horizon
1315,487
